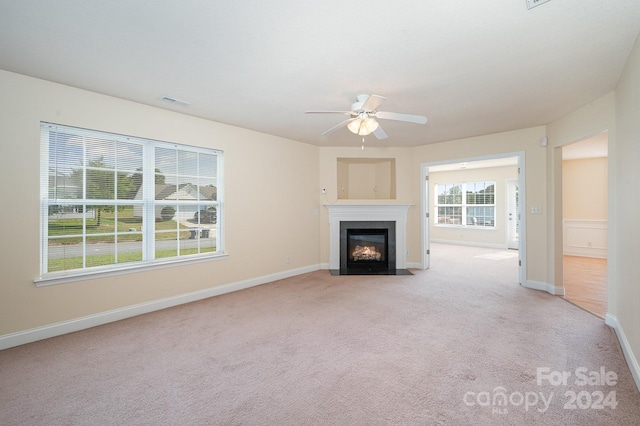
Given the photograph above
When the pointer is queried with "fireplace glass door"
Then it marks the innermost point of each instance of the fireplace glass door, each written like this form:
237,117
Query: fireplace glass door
367,248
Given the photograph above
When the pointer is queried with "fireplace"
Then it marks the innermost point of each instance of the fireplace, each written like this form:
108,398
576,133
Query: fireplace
392,217
367,247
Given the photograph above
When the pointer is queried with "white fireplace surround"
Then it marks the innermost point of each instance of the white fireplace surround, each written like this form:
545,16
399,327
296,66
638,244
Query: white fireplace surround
367,212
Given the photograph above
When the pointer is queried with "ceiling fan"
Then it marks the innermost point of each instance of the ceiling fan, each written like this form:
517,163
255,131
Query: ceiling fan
363,116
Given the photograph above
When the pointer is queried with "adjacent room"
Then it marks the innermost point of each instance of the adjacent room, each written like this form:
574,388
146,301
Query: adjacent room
584,207
333,213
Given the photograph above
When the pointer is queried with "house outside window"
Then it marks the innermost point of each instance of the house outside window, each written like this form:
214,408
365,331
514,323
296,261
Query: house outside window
111,202
465,204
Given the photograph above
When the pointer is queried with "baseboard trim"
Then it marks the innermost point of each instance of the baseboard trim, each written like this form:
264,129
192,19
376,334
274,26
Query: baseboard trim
629,356
83,323
585,252
549,288
469,243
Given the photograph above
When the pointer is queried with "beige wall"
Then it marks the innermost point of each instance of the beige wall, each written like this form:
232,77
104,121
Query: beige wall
617,112
491,237
271,198
584,189
627,203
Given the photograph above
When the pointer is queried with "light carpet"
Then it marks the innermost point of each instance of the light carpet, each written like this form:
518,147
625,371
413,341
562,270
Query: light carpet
441,347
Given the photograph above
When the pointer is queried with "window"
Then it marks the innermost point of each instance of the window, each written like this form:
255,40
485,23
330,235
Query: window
449,203
475,208
110,202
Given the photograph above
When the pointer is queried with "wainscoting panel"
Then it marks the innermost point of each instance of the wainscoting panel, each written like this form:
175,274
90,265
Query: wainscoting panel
586,238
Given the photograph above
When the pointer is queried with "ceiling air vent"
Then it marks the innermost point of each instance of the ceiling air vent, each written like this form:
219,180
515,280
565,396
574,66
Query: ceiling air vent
533,3
175,101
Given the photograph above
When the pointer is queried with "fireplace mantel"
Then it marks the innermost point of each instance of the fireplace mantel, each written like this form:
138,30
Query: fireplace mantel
367,212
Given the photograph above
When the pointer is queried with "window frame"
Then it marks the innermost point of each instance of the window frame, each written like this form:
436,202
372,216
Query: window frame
464,205
143,204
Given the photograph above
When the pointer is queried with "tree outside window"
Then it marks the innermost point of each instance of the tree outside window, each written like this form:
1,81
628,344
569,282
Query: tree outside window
476,208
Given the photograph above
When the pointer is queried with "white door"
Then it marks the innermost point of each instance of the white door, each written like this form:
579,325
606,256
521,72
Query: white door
513,214
426,218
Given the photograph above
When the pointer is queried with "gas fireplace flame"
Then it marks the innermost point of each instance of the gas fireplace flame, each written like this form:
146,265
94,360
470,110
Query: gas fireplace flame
366,253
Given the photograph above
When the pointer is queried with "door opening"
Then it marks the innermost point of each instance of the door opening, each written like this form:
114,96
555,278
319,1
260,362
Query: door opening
584,223
503,174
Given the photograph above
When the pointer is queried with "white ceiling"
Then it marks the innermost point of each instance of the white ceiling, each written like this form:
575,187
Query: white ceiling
473,68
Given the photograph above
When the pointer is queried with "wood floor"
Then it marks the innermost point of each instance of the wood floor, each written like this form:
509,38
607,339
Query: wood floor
585,283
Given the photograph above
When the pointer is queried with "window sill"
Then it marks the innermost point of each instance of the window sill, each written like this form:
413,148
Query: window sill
481,228
62,278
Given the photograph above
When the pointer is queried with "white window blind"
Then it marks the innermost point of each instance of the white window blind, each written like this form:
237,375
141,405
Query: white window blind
465,204
110,202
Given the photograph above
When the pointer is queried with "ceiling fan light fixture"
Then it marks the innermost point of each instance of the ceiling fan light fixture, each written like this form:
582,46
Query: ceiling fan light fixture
370,124
354,126
363,126
362,117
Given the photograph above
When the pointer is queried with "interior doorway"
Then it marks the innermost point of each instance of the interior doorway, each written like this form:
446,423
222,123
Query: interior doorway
495,225
584,223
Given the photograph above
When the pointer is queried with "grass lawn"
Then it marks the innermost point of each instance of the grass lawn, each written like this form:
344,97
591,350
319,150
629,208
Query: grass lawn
127,226
65,264
128,229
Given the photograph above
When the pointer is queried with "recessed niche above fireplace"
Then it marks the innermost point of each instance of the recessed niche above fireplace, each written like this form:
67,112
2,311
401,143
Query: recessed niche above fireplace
366,178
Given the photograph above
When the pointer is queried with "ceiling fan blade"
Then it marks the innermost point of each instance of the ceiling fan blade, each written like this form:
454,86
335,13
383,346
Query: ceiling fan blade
379,133
328,112
418,119
338,126
373,102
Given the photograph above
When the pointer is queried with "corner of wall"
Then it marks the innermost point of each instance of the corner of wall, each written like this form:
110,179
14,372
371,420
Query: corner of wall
629,356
